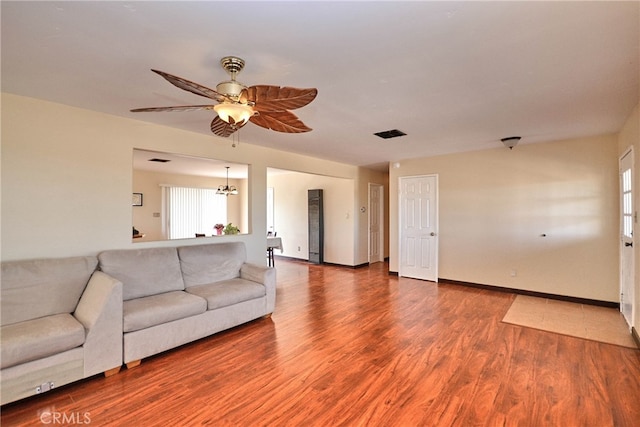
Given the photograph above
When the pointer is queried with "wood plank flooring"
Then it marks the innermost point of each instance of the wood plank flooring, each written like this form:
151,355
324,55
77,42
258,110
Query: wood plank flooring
356,347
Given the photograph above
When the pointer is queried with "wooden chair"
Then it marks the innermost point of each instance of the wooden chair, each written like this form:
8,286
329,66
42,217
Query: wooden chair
270,259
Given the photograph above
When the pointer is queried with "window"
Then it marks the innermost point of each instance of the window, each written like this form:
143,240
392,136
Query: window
192,210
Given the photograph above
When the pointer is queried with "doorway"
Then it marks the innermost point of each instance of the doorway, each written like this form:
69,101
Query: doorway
627,251
419,227
376,221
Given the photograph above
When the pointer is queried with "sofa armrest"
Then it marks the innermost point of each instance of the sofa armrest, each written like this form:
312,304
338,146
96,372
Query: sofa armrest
100,312
264,275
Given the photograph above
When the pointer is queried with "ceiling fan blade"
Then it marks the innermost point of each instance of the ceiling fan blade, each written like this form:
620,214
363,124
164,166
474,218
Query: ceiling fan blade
192,87
222,128
176,108
275,98
280,121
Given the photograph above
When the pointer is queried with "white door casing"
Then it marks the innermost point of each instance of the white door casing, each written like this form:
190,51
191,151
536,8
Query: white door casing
627,251
270,210
419,227
376,219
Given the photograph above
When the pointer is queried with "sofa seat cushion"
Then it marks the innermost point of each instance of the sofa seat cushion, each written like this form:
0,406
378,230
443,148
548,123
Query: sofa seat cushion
141,313
34,339
228,292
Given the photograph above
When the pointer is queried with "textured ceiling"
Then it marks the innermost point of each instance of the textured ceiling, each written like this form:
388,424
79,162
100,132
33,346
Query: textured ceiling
453,76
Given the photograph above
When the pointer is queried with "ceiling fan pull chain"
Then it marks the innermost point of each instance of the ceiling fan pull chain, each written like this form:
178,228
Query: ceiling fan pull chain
235,138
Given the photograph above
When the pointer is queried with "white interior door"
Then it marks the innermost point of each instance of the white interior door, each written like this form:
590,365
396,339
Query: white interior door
376,219
419,227
628,216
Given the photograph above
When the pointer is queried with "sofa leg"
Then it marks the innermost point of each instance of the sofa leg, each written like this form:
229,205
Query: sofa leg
267,316
133,363
112,371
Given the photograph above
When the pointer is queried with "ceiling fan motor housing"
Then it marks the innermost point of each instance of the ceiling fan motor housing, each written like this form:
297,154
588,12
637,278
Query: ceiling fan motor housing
232,64
230,88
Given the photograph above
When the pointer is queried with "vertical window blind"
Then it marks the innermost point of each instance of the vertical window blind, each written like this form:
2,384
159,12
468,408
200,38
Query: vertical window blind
192,210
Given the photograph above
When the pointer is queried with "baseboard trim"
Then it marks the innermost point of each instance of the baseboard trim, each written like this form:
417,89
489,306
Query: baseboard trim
636,337
290,258
302,260
366,264
587,301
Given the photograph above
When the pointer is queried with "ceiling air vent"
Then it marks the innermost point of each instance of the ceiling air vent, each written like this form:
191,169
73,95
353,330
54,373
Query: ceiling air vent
155,159
393,133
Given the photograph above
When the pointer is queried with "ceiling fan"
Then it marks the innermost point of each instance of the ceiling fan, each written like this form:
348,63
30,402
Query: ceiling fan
264,105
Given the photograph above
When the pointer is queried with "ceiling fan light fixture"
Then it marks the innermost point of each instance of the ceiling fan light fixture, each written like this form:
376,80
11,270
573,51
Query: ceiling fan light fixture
266,105
235,114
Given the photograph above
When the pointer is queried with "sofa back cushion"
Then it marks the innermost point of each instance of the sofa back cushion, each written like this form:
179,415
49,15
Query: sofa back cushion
43,287
203,264
143,272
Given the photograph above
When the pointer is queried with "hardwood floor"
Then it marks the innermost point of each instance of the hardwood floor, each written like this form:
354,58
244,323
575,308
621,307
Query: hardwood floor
354,347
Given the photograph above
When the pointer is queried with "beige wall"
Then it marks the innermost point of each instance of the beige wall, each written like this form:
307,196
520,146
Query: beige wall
67,179
495,204
67,182
149,184
630,137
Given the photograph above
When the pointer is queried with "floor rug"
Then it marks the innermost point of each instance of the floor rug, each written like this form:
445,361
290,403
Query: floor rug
577,320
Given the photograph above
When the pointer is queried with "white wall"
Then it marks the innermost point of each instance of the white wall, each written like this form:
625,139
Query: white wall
67,179
630,137
495,205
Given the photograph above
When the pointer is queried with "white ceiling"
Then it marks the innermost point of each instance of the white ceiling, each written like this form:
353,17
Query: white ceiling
187,165
454,76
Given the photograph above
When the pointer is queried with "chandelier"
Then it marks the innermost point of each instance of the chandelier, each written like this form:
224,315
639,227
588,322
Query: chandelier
225,189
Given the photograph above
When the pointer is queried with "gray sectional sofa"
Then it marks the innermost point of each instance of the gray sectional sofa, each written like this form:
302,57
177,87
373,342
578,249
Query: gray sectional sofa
71,318
173,296
61,321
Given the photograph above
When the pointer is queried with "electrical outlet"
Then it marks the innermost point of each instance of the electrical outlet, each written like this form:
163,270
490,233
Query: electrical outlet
514,273
44,387
298,248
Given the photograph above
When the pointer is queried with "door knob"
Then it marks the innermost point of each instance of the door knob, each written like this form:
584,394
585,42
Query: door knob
628,244
432,234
